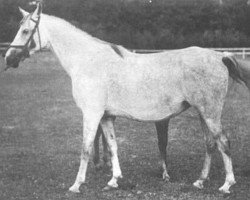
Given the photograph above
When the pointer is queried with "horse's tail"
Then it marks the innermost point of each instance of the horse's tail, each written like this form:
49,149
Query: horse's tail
234,68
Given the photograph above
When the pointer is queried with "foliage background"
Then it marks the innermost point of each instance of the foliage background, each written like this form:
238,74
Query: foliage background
155,24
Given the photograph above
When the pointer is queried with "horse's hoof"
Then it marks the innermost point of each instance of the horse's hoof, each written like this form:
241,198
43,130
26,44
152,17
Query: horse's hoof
71,195
108,188
198,184
224,190
165,177
74,189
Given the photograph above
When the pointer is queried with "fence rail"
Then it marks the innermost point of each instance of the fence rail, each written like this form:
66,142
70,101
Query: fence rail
4,46
242,51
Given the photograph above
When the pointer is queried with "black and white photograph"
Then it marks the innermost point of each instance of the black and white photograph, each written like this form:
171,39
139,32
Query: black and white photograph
124,99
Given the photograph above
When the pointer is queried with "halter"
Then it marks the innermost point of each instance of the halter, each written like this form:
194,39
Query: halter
25,48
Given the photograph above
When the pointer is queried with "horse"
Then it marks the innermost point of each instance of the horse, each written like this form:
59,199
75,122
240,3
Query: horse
109,81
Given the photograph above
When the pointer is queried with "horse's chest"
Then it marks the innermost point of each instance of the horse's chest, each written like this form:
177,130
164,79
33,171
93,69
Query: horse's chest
88,93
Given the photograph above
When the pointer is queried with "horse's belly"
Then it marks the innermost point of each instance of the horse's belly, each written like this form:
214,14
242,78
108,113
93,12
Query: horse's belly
148,111
151,93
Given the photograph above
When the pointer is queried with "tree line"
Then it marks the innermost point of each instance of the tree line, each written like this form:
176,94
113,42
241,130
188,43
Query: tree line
145,24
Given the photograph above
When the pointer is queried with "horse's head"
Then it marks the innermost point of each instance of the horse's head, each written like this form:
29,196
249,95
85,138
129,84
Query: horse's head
29,38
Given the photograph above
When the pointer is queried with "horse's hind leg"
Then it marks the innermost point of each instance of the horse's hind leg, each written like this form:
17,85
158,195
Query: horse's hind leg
210,147
214,125
107,124
162,133
96,155
224,147
106,152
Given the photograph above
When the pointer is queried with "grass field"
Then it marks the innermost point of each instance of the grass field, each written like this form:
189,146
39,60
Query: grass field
40,138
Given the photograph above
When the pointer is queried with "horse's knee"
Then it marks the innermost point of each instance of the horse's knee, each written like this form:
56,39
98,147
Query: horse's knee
224,144
214,125
86,151
218,135
85,155
211,146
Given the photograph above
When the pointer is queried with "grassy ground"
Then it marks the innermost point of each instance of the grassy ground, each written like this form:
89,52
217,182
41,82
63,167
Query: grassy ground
40,137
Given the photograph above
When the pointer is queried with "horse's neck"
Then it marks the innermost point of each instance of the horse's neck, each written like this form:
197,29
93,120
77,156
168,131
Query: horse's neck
70,45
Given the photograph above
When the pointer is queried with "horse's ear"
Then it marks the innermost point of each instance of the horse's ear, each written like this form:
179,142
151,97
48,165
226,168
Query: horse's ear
38,10
23,12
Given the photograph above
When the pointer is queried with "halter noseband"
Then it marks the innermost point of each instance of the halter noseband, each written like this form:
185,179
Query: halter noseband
25,48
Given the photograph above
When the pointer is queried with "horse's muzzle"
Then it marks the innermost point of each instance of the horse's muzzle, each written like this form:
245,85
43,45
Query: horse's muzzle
14,56
12,61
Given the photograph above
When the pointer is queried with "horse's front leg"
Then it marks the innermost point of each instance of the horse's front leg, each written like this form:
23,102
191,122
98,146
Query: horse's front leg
91,120
107,124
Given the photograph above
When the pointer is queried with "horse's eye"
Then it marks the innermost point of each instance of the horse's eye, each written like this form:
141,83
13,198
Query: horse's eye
25,31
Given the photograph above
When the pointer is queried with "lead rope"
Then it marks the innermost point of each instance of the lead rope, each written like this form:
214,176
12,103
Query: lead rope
39,38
